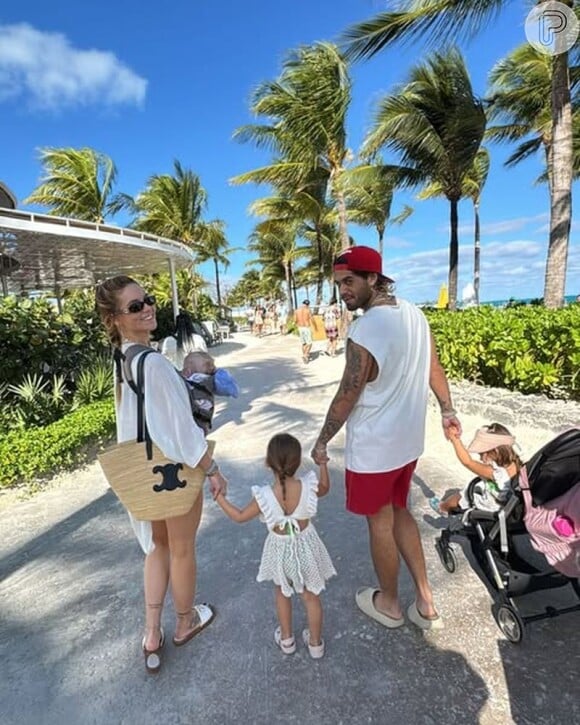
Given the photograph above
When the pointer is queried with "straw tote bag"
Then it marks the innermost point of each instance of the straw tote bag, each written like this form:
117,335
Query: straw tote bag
148,484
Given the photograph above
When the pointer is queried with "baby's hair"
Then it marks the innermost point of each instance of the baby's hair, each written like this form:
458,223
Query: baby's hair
283,456
503,455
198,356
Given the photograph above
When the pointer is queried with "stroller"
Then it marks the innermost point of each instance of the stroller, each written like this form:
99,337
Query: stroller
516,550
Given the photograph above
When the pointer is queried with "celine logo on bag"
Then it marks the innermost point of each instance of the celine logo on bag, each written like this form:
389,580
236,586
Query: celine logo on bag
151,486
170,478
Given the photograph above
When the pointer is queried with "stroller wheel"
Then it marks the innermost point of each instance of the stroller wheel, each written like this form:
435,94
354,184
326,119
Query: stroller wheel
447,556
510,623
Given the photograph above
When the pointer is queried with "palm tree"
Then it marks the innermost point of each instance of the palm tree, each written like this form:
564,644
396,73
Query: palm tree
214,245
369,197
274,240
77,183
440,20
305,111
519,103
171,206
473,184
308,210
436,125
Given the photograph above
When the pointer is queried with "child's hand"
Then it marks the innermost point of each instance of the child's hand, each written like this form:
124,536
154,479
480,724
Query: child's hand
218,484
453,433
319,454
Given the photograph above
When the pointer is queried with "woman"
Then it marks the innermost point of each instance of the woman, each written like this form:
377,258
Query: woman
258,320
331,319
128,314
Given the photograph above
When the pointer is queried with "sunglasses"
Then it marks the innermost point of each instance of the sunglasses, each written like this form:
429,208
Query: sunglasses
138,305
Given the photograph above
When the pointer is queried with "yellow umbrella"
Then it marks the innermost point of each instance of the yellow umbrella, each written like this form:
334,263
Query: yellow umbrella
443,299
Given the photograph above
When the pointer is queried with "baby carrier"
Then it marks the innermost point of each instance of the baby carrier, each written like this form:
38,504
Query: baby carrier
201,388
522,548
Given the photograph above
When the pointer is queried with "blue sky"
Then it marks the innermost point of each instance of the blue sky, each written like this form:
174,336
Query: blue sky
148,83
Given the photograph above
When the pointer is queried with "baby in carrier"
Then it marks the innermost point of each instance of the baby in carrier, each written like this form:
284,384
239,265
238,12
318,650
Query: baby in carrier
498,465
204,382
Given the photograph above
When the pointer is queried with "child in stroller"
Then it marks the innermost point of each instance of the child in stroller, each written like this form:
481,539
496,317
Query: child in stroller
520,548
499,464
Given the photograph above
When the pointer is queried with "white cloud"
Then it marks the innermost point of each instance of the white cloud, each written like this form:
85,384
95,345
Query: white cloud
50,73
508,269
501,227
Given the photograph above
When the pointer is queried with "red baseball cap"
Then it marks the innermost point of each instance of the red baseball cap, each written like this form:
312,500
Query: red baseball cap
360,259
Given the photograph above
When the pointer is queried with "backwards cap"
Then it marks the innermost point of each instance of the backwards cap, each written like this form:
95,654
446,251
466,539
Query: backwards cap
360,259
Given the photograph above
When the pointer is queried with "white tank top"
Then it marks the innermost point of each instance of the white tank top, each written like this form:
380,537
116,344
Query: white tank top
386,429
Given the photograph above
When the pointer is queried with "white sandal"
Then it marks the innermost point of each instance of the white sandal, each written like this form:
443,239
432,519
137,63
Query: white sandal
316,650
288,646
204,615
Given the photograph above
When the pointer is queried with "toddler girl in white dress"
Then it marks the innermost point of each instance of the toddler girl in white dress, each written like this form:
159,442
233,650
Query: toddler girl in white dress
294,557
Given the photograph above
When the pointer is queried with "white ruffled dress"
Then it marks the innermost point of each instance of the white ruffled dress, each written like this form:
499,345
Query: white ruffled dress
297,560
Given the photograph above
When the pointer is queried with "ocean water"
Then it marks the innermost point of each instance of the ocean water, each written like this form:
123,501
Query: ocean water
526,300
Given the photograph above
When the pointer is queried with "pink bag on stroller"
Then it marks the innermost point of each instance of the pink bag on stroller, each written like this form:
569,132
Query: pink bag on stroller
562,552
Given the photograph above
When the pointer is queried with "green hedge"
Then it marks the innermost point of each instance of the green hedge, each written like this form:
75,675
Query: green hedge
528,349
36,452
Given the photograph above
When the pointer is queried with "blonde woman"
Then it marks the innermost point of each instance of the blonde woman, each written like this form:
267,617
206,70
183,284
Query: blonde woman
128,314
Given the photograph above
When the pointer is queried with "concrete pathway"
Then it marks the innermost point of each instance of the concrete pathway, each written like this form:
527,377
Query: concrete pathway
71,591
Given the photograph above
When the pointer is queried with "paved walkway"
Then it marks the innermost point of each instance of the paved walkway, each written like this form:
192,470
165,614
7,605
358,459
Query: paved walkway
71,580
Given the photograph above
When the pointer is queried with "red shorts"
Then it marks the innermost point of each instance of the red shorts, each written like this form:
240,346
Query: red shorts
367,493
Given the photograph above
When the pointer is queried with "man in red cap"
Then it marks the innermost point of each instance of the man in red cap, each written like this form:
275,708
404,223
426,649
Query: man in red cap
391,362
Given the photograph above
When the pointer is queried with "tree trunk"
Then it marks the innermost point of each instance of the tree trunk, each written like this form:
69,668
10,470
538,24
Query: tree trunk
453,256
561,188
476,252
288,278
341,207
217,284
381,233
320,272
293,297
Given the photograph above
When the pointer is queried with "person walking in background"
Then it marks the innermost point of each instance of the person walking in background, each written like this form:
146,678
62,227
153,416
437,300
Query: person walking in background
303,319
128,315
294,557
499,464
331,320
258,320
391,361
250,316
282,314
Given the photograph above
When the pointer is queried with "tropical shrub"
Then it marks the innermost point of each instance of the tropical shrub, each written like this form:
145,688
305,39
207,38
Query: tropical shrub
28,454
529,349
36,339
94,383
37,402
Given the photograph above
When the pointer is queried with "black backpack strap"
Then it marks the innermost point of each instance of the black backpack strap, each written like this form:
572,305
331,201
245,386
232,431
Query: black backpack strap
123,371
128,357
142,430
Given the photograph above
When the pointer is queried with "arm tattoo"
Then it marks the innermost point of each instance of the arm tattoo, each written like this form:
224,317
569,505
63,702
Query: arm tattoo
355,377
445,404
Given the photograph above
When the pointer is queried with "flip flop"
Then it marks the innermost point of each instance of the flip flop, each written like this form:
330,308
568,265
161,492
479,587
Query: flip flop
205,615
424,623
152,658
365,602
